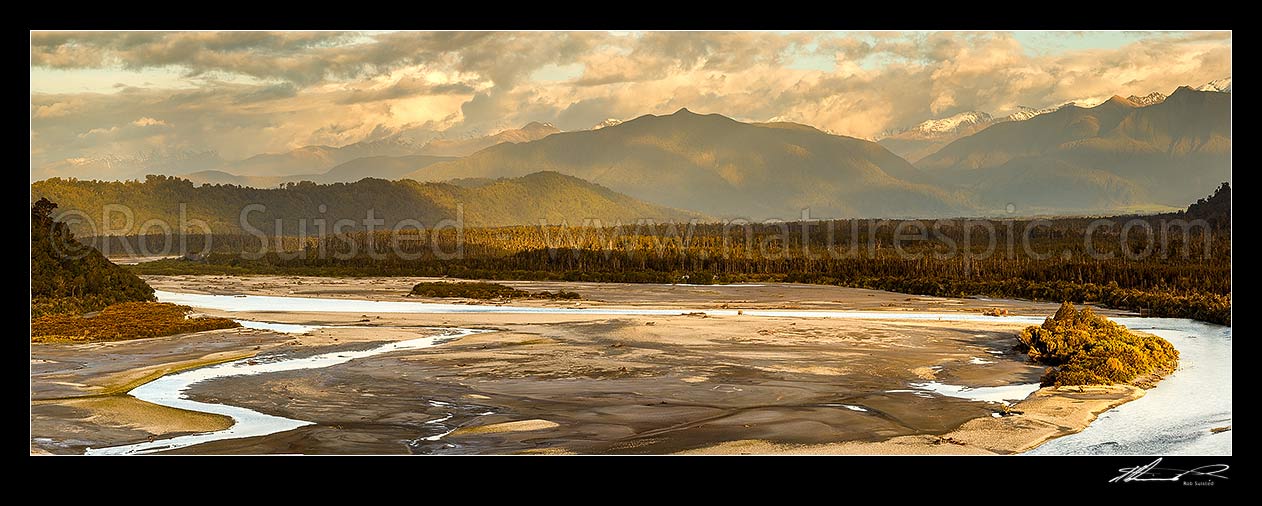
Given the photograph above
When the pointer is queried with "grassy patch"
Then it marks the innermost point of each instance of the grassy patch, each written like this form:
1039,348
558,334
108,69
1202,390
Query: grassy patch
480,290
1084,348
123,321
43,306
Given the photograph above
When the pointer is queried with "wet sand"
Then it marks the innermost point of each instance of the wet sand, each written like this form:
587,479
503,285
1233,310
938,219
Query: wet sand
574,383
1048,413
78,391
748,296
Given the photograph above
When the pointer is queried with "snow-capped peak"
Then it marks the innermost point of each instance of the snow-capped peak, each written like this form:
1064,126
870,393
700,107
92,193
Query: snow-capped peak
1153,98
607,123
943,126
1223,85
953,123
145,157
1027,112
1086,103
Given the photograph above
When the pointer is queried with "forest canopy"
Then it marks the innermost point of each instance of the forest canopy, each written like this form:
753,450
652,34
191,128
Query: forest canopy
70,277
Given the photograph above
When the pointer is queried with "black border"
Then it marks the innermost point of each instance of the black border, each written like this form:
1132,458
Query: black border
624,16
990,479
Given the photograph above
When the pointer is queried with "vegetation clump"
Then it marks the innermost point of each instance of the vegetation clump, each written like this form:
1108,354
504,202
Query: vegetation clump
123,321
68,277
481,290
557,295
1083,348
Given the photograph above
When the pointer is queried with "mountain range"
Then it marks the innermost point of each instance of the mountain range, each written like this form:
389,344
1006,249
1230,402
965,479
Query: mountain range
920,140
719,166
308,163
1153,98
532,131
914,143
1138,153
383,167
1116,155
389,159
132,166
1223,85
607,123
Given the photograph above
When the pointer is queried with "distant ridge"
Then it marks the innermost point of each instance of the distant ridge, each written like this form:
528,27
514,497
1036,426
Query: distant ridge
462,147
1115,155
517,201
723,167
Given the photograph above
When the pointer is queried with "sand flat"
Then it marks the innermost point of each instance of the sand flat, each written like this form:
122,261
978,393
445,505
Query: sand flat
609,383
518,426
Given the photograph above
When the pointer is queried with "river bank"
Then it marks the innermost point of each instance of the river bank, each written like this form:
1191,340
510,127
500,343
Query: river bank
588,382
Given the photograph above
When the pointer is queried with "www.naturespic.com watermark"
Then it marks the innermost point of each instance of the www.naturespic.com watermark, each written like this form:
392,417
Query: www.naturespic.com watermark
118,231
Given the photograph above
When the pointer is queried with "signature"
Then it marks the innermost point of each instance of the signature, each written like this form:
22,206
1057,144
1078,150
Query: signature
1151,472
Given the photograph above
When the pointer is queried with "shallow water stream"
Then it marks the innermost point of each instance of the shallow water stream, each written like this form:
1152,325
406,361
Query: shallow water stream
1174,418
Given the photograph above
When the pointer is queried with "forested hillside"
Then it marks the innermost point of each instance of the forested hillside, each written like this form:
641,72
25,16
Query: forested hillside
296,207
67,276
1216,209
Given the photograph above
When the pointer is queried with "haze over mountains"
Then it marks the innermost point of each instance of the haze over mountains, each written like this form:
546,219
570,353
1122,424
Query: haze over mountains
309,163
920,140
387,159
382,167
1147,152
532,131
548,196
1116,155
723,167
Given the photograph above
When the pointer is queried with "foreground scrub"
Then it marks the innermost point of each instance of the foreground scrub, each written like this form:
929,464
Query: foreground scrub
1177,416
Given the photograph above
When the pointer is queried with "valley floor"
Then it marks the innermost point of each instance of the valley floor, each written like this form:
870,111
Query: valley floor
578,383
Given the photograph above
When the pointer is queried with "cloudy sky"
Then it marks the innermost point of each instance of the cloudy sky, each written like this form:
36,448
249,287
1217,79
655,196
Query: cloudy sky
245,93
